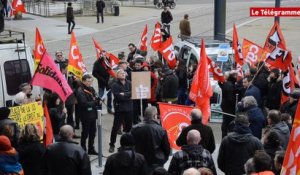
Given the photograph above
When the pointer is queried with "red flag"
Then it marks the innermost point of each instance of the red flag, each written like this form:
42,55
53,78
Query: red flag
102,57
291,163
47,75
216,71
237,47
17,6
114,61
275,45
298,68
39,47
288,83
201,90
48,136
76,65
167,51
173,119
156,39
252,52
143,46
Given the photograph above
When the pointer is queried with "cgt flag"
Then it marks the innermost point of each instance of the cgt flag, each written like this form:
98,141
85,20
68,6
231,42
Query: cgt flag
291,163
167,51
39,47
252,52
216,71
47,75
173,119
17,6
237,47
201,90
144,38
156,39
76,65
114,61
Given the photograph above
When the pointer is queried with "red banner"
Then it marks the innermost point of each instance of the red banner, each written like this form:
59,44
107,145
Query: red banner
291,163
156,39
252,52
237,47
167,51
114,61
174,118
144,38
216,71
17,6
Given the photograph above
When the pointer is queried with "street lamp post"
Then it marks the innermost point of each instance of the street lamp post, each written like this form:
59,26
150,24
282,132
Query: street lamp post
220,20
277,5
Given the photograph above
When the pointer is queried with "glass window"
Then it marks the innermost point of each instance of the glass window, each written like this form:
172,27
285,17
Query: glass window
193,59
16,73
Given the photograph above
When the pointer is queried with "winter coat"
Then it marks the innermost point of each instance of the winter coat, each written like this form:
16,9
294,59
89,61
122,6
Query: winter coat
283,132
100,5
255,92
185,28
228,96
261,82
207,136
87,103
169,85
32,157
191,156
101,74
66,157
126,161
122,103
131,55
151,141
273,98
182,78
57,119
9,164
70,14
71,99
235,149
257,120
166,17
289,108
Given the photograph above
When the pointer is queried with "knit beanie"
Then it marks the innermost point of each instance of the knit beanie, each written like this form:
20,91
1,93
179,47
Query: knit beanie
5,144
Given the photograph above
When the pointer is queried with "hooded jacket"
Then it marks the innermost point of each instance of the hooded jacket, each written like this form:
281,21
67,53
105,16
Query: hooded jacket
235,149
191,156
283,132
256,119
126,161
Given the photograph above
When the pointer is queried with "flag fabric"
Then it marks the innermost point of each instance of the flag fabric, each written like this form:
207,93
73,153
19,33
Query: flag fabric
289,82
298,69
173,119
48,135
275,45
167,51
291,163
216,71
144,38
102,56
114,61
156,39
17,6
201,90
47,75
76,65
39,47
252,53
237,47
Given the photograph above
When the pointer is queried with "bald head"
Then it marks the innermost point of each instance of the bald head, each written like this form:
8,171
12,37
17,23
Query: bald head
66,132
191,171
196,114
193,137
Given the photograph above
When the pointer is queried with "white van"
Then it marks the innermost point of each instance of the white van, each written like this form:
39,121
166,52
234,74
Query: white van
16,66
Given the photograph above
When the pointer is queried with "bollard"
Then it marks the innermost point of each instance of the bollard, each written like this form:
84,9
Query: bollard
99,125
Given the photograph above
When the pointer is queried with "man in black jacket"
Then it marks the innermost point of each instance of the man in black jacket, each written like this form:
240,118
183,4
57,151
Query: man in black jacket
100,5
207,136
151,140
66,157
87,104
121,89
126,160
169,86
166,18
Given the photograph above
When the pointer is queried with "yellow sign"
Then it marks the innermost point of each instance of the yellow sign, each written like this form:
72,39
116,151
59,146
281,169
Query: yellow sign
28,113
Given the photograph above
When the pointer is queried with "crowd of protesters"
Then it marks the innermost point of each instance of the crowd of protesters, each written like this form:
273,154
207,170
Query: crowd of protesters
255,129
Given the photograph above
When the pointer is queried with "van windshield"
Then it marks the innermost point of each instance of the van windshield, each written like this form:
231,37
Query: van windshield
225,66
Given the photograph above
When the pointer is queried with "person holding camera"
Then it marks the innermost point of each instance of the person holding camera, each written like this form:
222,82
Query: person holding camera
87,105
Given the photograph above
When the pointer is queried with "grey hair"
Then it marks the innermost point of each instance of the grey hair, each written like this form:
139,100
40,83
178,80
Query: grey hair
191,171
66,132
249,101
150,112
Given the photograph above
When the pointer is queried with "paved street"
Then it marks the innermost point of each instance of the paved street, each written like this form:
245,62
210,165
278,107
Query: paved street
116,32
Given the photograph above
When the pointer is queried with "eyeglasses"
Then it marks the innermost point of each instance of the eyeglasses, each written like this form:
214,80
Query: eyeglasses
59,55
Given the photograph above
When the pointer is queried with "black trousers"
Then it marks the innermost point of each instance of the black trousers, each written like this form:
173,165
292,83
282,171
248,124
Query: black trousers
77,115
70,29
101,13
88,131
70,120
120,118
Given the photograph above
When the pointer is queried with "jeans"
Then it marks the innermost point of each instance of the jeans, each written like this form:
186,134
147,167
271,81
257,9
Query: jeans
120,118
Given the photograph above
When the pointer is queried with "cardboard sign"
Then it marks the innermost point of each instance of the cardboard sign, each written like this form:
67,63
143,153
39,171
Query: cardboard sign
141,86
